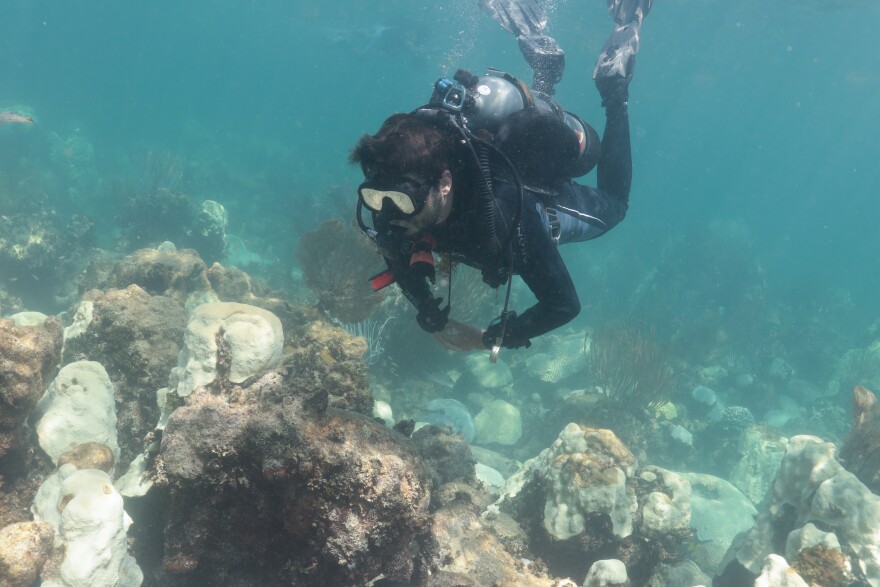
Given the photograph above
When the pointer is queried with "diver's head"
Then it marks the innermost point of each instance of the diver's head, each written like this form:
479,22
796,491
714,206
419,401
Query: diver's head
408,177
404,146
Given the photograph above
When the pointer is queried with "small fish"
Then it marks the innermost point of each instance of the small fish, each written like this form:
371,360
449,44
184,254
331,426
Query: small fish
9,117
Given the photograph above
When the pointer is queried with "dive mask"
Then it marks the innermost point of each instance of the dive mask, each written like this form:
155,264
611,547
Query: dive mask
407,195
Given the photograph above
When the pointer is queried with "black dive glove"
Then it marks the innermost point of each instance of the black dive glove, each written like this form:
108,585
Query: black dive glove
431,317
509,342
616,64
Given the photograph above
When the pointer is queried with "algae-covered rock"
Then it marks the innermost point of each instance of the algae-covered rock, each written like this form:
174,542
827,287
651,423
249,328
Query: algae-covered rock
24,548
28,357
499,422
174,274
299,486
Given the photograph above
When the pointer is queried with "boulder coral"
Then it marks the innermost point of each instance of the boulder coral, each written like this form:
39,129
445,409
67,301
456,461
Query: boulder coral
811,486
584,499
87,514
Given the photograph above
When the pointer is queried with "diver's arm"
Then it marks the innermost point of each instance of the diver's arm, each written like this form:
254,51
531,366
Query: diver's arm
543,270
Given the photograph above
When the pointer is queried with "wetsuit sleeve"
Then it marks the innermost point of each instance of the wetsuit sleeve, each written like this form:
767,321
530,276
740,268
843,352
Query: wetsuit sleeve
614,170
543,270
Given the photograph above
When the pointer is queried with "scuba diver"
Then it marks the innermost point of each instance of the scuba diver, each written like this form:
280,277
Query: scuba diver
484,173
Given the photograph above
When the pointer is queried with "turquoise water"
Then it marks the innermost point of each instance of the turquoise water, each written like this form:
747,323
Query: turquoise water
755,128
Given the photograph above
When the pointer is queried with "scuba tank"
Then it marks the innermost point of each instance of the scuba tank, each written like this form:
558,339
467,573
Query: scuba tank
544,142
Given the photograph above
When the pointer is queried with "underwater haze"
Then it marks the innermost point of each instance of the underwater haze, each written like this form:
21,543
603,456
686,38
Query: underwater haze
736,308
759,113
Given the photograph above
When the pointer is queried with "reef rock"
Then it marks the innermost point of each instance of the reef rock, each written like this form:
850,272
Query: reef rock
137,338
300,487
327,357
77,408
811,486
29,244
24,549
174,274
445,455
469,549
88,516
28,357
237,340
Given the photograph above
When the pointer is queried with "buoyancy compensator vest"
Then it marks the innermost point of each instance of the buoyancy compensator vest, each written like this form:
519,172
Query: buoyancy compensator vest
544,142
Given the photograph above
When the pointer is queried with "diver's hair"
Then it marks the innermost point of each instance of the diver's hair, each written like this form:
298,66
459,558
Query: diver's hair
405,144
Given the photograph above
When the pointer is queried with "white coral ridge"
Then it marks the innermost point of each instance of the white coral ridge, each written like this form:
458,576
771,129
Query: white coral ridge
252,336
813,484
91,523
77,408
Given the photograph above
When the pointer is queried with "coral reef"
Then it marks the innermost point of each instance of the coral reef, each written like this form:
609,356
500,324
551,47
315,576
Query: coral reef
299,485
236,341
207,232
136,337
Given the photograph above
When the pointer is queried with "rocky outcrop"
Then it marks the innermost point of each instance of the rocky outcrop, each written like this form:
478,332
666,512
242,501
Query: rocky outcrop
175,274
24,549
28,357
310,495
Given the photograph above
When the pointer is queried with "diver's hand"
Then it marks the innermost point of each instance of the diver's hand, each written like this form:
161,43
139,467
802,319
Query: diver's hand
431,317
616,64
493,333
460,337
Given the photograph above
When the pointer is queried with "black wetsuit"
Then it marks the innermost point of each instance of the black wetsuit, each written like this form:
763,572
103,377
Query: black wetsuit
583,213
